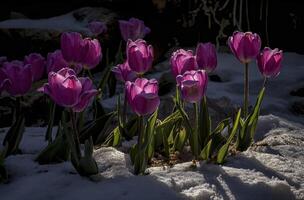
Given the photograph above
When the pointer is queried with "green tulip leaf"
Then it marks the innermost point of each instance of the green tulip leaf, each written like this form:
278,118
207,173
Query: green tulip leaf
224,149
14,135
56,151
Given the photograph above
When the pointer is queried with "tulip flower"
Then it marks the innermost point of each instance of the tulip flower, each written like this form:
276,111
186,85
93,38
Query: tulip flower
133,29
70,45
91,53
69,91
245,46
16,77
269,62
206,56
182,61
143,96
139,55
38,65
75,50
97,27
193,85
123,72
55,62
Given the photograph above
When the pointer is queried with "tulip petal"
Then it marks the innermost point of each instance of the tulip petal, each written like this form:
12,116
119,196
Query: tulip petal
84,100
146,103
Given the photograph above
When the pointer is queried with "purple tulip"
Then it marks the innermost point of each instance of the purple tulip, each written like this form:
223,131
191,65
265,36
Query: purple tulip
269,62
70,46
38,65
182,61
245,46
76,50
133,29
55,62
139,55
97,27
206,56
91,53
142,96
16,78
69,91
124,73
193,85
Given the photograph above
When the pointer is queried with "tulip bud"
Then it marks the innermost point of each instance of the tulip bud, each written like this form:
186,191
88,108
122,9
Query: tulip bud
16,78
193,85
245,46
123,72
55,62
133,29
69,91
91,53
206,56
97,27
38,65
76,50
139,55
182,61
269,62
70,46
142,96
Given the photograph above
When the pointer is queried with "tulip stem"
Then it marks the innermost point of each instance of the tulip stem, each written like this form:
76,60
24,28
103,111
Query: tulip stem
265,81
140,131
90,74
75,132
18,108
195,131
48,136
246,91
124,111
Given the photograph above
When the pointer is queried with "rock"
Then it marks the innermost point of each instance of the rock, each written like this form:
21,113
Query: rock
113,163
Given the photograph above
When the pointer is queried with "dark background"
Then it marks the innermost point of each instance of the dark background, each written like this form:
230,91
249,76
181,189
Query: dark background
169,19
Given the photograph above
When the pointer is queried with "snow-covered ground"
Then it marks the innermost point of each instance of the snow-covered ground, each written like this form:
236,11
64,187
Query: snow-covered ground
271,169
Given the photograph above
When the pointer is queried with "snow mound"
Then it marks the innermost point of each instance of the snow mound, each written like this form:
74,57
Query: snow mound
271,169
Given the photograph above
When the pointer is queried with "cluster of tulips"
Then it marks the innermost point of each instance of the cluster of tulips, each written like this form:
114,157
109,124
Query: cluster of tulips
74,92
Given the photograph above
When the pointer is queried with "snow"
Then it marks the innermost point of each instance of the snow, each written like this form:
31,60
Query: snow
270,169
66,22
61,23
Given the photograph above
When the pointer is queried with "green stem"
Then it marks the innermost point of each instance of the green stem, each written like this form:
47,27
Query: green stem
75,134
17,109
81,120
246,91
140,131
48,135
83,73
124,111
195,131
204,122
265,81
90,75
118,55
